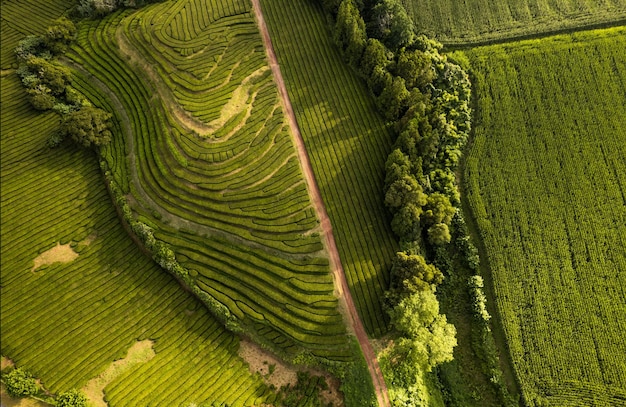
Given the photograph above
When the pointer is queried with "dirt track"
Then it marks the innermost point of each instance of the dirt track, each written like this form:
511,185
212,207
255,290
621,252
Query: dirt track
316,198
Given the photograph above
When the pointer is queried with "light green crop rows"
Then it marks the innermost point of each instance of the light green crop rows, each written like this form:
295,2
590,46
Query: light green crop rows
219,180
347,142
66,322
14,27
546,182
461,22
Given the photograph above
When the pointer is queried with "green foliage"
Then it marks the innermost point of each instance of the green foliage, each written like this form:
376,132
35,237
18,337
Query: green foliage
20,383
415,67
71,398
350,31
391,24
543,180
54,76
30,45
427,338
305,393
410,273
59,35
405,191
88,126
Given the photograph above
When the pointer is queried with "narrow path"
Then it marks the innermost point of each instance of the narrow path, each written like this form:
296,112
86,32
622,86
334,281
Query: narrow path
318,203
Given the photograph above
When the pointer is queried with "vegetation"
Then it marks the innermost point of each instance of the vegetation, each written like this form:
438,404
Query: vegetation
545,180
466,22
66,322
218,196
20,383
71,398
347,142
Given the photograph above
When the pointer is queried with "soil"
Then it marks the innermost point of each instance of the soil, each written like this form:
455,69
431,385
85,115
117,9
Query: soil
61,253
259,361
340,279
140,352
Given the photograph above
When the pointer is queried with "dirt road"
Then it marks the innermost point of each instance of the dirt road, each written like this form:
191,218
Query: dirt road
316,197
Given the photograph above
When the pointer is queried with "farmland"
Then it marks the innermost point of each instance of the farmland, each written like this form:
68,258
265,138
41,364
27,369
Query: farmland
66,322
347,143
546,181
211,166
475,21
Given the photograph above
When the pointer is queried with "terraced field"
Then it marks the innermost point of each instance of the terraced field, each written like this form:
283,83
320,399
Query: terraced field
347,143
476,21
66,322
210,164
547,184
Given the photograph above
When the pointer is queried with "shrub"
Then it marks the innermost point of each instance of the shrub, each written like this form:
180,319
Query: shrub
71,398
88,126
20,383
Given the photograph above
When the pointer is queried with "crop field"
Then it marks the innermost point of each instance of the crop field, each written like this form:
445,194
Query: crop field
475,21
209,161
66,322
13,28
347,143
546,181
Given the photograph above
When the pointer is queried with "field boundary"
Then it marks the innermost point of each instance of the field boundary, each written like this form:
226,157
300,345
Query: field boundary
462,45
341,282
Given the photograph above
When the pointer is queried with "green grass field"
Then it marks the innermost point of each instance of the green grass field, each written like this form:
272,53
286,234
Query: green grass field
347,143
546,181
475,21
210,164
66,322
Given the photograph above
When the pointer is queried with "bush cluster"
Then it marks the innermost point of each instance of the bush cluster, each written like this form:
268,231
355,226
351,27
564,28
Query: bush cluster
20,383
48,85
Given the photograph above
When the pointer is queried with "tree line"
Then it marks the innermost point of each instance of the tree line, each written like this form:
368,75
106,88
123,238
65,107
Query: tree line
424,96
49,87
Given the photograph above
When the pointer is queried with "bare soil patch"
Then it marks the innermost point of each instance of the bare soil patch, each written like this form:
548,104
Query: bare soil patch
8,401
276,372
61,253
140,352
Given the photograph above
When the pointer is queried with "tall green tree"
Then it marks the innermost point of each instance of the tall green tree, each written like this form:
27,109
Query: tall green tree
88,126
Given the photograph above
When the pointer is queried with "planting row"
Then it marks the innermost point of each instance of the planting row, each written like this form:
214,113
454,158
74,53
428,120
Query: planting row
546,182
348,144
234,209
67,322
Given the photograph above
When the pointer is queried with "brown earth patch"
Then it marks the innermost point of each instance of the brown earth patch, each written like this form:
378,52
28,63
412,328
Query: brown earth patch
61,253
262,362
140,352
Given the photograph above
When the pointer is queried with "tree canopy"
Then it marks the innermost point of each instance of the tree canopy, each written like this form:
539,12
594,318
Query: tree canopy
87,126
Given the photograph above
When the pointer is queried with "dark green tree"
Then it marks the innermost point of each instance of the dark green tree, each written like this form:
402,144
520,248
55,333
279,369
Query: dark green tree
392,24
60,35
415,67
350,31
396,167
404,191
88,126
393,100
375,55
410,273
54,76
